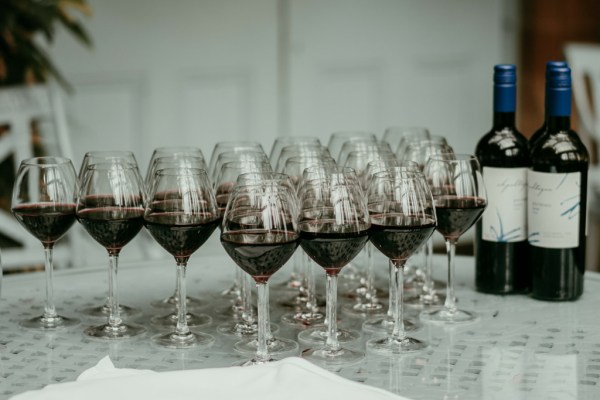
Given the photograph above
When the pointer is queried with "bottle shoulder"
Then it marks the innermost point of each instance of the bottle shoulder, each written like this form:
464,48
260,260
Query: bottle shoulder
505,147
562,150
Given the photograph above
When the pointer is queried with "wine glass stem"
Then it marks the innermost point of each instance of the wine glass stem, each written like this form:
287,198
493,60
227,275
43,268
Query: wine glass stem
176,291
450,303
428,286
182,327
332,343
49,309
398,333
114,318
262,350
392,290
369,290
311,297
247,310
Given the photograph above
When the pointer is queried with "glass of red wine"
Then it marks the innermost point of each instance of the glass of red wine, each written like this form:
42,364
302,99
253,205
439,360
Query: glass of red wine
182,161
402,219
260,234
460,198
92,158
181,214
334,226
43,201
110,206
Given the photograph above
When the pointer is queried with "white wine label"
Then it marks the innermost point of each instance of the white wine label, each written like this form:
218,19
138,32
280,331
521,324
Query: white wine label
505,218
553,209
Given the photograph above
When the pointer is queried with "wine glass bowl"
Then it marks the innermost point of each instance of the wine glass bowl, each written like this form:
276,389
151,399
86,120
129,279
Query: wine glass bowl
43,202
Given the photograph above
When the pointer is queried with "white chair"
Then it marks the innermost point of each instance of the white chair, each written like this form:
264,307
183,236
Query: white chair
584,60
19,107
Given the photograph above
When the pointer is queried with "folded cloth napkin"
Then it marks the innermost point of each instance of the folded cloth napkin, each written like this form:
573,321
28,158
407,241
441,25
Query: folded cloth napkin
291,378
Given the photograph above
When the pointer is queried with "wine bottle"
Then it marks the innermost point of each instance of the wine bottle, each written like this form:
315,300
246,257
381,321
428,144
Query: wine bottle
557,199
501,248
540,131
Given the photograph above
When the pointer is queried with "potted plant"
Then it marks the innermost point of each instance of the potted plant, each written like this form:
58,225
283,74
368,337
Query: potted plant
26,28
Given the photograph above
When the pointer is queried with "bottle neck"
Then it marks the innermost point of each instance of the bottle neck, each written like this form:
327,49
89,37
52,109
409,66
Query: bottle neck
558,123
503,120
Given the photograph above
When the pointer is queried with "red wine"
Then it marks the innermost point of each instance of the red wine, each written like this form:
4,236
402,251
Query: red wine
260,253
112,227
46,221
329,248
501,247
455,215
557,200
180,234
399,236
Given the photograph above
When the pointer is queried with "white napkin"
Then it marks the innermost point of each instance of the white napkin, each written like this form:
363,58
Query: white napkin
291,378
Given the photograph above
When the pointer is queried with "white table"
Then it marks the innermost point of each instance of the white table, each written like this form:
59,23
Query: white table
520,348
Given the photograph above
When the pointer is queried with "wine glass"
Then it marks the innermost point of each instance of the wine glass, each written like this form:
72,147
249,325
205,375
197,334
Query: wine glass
407,136
235,146
337,140
402,219
181,214
252,156
283,141
43,201
110,206
334,225
92,158
306,312
460,198
178,160
174,152
260,234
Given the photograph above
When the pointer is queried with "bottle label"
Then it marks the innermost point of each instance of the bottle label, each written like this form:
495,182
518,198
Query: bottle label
553,209
505,218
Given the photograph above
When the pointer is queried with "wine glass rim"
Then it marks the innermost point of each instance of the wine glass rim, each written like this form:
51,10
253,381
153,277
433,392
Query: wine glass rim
46,161
95,153
180,171
105,165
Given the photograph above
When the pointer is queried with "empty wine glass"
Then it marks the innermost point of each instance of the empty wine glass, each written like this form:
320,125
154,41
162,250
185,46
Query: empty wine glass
43,201
460,198
337,140
110,206
283,141
407,136
402,219
234,146
181,214
99,157
334,225
260,234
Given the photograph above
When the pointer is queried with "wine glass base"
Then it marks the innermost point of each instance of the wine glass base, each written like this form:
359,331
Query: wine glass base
386,324
275,345
254,361
303,319
319,335
332,358
298,302
364,310
103,311
446,317
108,332
234,311
170,320
425,300
52,323
191,339
241,329
171,302
390,346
